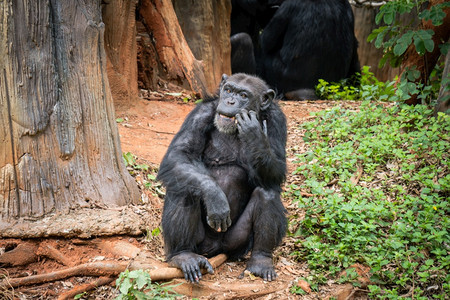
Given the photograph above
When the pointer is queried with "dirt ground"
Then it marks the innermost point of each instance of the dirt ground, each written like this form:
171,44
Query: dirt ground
147,128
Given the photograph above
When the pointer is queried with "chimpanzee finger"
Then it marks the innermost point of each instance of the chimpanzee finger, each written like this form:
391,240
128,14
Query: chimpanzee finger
197,273
207,266
193,276
244,114
186,273
253,115
238,118
224,225
213,223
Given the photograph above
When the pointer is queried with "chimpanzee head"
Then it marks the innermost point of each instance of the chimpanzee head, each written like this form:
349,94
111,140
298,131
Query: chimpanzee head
240,92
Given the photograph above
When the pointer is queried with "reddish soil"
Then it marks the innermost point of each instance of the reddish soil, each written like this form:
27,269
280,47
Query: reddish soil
146,132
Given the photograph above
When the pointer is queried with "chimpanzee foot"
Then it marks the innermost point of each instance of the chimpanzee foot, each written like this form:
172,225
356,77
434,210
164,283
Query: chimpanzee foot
262,266
191,263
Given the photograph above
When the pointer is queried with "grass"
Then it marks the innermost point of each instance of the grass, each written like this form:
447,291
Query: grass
380,185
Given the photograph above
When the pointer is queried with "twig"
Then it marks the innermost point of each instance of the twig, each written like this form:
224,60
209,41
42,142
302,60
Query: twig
355,178
88,269
85,287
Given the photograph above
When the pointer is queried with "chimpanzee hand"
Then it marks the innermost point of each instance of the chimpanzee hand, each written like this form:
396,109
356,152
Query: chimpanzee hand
217,208
248,125
190,263
218,217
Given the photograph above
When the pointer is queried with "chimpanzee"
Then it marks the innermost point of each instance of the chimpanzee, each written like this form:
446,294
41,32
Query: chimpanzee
308,40
222,174
248,18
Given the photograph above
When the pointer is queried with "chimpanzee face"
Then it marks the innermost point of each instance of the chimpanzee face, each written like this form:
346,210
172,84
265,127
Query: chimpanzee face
237,93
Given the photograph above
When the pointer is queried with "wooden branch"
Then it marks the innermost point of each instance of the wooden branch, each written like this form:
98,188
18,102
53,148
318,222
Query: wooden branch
53,253
101,269
85,287
88,269
170,273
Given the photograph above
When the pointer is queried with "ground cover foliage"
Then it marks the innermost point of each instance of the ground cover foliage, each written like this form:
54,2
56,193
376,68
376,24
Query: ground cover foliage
375,191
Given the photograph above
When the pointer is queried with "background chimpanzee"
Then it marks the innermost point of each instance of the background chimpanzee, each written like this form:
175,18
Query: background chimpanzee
222,174
248,18
305,41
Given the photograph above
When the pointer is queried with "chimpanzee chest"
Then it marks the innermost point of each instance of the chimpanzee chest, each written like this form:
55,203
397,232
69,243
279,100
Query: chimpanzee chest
226,163
223,151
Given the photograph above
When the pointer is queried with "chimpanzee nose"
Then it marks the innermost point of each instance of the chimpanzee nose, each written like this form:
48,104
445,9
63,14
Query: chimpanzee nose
231,102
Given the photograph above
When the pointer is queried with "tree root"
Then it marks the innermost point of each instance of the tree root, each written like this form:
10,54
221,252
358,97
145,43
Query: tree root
85,287
53,253
108,269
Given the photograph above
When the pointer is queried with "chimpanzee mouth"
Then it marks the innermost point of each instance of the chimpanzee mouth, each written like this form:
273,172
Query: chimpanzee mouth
225,123
233,118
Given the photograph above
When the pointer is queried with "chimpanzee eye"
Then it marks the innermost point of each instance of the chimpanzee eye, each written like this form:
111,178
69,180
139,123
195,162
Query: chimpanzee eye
228,90
244,95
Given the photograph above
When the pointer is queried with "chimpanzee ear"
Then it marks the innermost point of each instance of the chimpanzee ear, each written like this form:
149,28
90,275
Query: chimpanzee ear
267,98
224,79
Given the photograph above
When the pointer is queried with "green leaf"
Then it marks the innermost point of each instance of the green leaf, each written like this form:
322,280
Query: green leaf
119,120
403,43
435,14
129,159
141,281
389,17
125,286
423,41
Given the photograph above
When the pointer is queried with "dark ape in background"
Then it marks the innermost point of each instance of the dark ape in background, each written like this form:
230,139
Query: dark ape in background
248,18
222,173
306,41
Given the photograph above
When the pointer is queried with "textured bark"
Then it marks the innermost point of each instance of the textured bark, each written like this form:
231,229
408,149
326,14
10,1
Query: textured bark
426,63
443,101
59,141
121,52
206,27
368,54
177,63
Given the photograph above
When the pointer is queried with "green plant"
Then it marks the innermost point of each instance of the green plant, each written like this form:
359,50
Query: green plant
137,284
380,185
395,37
147,174
369,89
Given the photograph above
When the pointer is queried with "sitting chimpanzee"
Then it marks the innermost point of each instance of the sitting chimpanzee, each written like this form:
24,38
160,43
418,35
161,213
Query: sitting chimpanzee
222,174
308,40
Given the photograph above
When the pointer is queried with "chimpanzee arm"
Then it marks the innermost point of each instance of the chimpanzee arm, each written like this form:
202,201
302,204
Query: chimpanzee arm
273,34
183,172
266,152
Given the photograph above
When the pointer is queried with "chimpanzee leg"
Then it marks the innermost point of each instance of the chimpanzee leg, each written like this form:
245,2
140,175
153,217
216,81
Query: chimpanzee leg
264,218
183,231
242,56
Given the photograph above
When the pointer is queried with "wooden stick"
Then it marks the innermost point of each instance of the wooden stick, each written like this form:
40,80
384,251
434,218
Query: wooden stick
100,269
85,287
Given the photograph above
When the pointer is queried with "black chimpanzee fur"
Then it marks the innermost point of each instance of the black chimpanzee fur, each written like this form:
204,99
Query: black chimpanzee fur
301,42
306,41
222,173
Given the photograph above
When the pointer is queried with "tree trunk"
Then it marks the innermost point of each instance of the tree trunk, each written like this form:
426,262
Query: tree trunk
59,141
368,54
425,63
206,27
443,101
175,62
121,53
